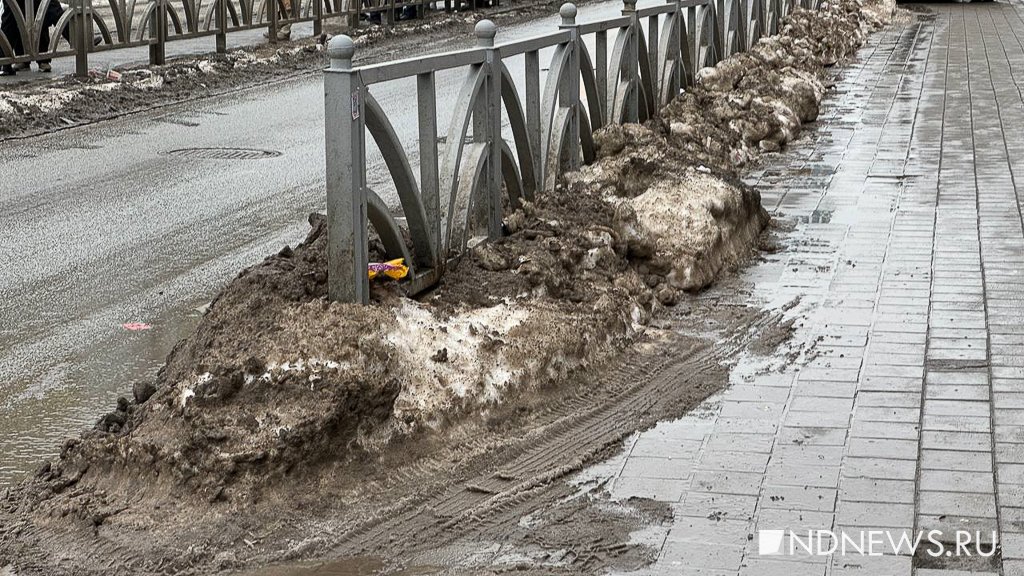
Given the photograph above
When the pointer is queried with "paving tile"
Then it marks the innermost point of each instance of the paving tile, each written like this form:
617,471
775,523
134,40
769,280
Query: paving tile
713,505
812,436
874,513
877,490
701,555
882,468
982,425
957,504
883,448
727,482
1013,568
730,442
797,475
968,461
798,498
808,454
654,488
1011,546
885,430
864,565
733,461
985,527
666,468
763,567
652,447
959,441
957,481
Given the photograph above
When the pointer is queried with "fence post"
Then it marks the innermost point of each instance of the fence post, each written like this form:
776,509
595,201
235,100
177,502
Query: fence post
426,108
714,39
632,61
346,176
353,11
569,94
485,31
83,38
318,17
272,9
30,48
721,30
222,26
158,33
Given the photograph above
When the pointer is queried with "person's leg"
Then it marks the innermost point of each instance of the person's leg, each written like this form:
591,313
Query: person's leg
44,47
9,27
53,13
284,31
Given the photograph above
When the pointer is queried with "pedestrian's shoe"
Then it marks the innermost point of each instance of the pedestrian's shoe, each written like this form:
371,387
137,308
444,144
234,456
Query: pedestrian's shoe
7,71
45,67
284,32
22,66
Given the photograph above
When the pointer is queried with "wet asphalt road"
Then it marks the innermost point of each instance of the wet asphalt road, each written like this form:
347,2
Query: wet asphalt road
99,226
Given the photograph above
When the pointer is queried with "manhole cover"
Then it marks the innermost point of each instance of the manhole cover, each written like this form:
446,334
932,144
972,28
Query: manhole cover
224,153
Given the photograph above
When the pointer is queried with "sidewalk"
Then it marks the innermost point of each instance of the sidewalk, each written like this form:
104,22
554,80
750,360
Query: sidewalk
904,410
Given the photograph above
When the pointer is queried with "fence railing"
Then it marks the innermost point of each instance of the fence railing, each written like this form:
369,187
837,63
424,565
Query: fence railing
36,30
479,174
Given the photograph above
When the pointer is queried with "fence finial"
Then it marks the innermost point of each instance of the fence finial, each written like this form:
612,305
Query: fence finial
628,6
568,14
485,31
341,48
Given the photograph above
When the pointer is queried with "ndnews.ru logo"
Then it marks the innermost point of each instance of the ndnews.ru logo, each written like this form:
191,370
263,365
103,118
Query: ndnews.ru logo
934,543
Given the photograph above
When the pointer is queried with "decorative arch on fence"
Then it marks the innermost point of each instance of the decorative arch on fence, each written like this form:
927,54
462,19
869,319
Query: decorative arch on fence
466,187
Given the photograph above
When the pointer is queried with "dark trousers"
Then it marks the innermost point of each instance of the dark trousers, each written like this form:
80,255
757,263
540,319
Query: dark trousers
9,26
53,13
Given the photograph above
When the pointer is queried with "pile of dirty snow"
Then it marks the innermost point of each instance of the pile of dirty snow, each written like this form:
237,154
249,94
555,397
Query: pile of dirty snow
758,100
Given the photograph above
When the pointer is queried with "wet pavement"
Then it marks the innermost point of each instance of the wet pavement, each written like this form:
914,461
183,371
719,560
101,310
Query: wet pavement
898,405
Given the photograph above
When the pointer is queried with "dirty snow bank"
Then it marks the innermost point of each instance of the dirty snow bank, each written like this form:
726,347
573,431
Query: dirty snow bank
278,382
757,101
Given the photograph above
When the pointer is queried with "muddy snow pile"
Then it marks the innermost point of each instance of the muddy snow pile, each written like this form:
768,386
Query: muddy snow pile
758,100
278,382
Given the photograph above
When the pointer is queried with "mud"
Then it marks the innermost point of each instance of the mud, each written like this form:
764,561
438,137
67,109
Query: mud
291,428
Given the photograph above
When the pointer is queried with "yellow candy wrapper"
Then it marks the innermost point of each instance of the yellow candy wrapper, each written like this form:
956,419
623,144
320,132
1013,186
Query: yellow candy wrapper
394,269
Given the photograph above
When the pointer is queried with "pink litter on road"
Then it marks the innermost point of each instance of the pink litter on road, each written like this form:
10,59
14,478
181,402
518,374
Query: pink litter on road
135,326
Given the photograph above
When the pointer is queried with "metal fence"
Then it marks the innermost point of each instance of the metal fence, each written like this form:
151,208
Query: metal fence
465,188
112,24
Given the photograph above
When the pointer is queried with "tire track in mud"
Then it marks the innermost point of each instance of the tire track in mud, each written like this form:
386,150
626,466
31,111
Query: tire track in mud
580,429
